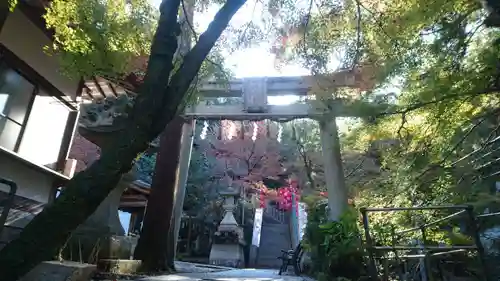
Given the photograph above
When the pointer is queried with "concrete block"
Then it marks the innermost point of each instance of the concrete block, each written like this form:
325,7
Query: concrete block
229,255
60,271
117,266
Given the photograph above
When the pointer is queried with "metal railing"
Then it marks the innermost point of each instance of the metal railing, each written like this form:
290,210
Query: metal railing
489,221
425,252
8,202
276,214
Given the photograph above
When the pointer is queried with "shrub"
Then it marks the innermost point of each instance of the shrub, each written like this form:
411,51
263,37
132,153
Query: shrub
335,246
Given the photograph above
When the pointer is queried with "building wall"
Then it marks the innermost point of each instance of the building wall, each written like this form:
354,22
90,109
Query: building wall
31,183
43,136
27,41
48,116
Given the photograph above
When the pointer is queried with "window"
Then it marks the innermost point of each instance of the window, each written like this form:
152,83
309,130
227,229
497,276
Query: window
16,97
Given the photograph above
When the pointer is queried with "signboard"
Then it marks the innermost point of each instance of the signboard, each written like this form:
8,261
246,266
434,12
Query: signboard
255,94
257,226
302,219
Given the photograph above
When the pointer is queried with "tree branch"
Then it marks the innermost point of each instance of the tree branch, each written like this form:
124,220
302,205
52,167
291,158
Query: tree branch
355,169
305,159
487,91
453,149
484,145
450,152
181,80
159,67
195,36
358,35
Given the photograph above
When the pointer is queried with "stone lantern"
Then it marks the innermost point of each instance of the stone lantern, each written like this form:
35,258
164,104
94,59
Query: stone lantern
228,241
103,229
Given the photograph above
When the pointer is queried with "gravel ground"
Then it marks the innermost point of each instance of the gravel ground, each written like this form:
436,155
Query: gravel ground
203,272
181,267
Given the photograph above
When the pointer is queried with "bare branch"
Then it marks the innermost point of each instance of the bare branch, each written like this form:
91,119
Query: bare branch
195,36
355,169
488,141
439,164
181,80
358,35
452,150
402,126
491,90
306,160
306,24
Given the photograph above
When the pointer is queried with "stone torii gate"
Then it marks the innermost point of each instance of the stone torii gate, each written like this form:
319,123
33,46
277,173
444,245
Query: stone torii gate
254,106
255,92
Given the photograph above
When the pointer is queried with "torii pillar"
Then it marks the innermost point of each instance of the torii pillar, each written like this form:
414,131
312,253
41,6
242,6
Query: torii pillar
187,138
333,168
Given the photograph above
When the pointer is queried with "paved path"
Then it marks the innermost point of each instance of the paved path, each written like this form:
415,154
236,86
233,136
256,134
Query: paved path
229,275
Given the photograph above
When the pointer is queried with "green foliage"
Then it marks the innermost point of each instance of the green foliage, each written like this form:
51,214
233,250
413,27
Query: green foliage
201,191
145,167
335,247
435,97
112,39
12,4
436,64
100,37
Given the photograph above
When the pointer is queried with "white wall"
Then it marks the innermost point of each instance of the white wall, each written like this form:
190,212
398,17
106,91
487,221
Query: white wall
27,41
46,124
32,184
43,135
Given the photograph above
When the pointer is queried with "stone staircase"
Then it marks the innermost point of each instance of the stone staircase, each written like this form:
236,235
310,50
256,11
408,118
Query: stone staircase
275,236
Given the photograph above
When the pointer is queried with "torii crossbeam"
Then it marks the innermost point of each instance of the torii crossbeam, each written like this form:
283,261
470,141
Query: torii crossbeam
255,91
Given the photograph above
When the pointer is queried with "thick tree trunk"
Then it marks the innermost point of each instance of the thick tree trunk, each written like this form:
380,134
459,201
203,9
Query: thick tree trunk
156,105
152,246
166,176
186,38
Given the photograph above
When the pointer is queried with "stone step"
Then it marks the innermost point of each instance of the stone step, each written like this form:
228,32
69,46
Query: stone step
267,218
274,238
275,226
60,271
270,220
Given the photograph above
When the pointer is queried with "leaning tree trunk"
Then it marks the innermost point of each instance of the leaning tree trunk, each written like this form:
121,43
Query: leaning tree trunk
156,106
152,246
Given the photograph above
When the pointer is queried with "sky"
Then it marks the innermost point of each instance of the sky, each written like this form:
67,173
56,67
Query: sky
250,62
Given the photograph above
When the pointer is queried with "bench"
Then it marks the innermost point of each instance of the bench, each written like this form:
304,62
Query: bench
292,257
